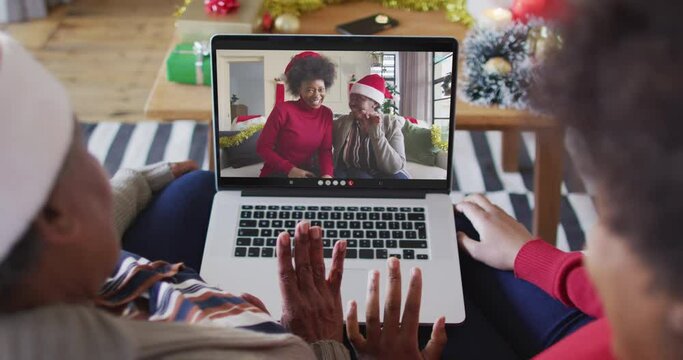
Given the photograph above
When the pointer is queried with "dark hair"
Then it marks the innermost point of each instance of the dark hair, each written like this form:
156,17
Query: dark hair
617,84
307,69
18,262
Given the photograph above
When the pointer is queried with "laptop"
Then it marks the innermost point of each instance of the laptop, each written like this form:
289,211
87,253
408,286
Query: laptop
380,215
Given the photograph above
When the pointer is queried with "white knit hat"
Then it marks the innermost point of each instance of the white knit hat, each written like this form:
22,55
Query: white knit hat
372,86
36,130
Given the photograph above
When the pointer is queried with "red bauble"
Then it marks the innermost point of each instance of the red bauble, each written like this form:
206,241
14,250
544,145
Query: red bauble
220,7
522,10
267,22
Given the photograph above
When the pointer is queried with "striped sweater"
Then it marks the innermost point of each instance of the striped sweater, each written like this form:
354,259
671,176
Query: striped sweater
162,292
158,291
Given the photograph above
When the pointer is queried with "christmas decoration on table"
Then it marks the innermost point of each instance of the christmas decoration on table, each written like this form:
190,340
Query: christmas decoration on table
456,11
286,24
194,23
293,7
180,10
477,8
220,7
498,68
190,63
415,5
525,10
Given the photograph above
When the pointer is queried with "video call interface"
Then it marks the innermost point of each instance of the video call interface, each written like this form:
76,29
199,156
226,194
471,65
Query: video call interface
333,118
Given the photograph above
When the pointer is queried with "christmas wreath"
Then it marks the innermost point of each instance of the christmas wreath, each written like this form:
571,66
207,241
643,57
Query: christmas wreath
498,69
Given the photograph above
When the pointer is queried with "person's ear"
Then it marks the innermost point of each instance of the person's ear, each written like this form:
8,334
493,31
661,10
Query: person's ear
56,221
676,318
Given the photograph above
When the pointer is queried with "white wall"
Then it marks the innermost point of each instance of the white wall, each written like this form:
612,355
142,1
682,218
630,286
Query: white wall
243,76
274,63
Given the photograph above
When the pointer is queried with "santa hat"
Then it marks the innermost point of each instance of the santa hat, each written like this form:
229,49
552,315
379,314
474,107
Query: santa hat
299,56
36,131
372,86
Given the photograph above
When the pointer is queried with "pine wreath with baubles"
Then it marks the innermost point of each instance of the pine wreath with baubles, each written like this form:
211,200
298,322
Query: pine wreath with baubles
498,68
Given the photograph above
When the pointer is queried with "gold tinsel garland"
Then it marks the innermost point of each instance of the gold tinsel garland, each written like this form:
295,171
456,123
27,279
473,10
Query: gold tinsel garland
437,142
182,8
456,10
237,139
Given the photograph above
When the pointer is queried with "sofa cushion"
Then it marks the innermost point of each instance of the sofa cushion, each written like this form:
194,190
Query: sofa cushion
418,144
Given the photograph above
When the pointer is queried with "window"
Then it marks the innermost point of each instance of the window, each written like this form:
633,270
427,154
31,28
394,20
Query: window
442,80
385,65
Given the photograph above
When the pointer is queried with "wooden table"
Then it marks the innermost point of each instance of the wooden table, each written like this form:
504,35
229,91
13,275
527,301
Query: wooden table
170,101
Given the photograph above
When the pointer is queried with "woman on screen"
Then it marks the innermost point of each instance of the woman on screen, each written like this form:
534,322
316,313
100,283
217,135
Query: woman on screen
368,144
298,130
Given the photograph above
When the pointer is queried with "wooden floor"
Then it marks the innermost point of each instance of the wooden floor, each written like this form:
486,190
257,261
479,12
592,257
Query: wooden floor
106,52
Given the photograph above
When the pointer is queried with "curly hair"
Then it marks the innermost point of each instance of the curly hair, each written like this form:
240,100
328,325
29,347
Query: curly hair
617,84
307,69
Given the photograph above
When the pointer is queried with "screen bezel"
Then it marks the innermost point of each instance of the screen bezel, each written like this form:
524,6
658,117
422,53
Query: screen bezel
333,43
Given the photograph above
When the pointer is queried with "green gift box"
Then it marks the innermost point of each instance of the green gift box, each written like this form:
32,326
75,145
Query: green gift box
189,63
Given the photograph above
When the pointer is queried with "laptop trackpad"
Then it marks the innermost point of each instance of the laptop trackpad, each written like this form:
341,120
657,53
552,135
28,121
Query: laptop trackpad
354,287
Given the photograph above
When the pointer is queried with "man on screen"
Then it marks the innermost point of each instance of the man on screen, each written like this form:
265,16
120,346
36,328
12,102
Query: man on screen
368,144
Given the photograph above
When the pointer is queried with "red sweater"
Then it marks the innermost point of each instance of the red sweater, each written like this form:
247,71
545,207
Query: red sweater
293,133
563,276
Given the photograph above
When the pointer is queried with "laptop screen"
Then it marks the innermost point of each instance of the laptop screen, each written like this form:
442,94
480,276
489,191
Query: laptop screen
334,111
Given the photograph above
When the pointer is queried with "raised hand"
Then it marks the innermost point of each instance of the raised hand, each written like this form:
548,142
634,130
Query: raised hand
311,306
397,337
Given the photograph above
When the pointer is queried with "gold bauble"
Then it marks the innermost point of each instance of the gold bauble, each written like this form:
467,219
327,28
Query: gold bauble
287,24
498,66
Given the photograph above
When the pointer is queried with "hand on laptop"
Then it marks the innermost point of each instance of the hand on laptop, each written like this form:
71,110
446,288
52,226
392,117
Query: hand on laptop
300,173
397,337
311,306
501,236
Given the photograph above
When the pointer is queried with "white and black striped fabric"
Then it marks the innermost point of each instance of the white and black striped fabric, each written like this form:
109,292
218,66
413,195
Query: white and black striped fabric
478,167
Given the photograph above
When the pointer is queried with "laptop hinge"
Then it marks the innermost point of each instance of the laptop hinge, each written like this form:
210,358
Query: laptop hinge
307,193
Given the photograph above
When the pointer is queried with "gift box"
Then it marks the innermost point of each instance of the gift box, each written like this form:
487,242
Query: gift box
189,63
195,24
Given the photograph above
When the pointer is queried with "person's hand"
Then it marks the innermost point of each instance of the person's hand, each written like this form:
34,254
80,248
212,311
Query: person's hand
311,306
374,118
253,300
501,236
397,337
300,173
179,169
326,176
369,120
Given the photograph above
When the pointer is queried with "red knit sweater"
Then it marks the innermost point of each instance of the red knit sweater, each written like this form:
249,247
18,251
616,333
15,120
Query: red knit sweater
563,276
293,133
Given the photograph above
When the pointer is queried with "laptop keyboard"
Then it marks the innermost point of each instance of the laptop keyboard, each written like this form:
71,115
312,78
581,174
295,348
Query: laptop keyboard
371,232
